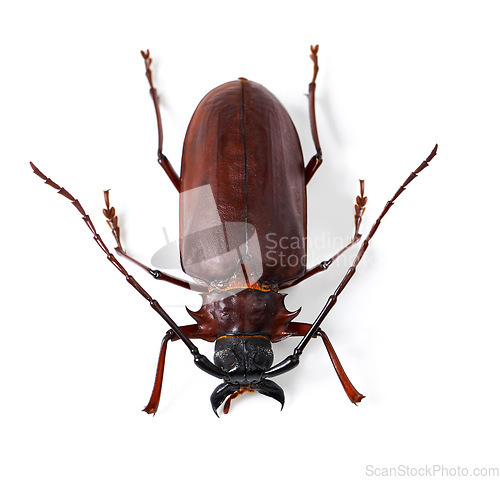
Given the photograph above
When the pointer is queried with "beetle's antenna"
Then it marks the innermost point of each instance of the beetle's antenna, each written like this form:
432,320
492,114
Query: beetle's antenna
200,360
293,360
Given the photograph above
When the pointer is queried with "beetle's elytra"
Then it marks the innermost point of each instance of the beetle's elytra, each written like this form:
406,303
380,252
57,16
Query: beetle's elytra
242,186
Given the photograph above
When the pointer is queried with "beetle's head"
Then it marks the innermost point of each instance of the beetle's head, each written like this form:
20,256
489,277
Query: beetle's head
244,359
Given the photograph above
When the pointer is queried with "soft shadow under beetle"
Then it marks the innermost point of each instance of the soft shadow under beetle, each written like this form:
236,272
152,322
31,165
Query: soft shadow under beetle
243,181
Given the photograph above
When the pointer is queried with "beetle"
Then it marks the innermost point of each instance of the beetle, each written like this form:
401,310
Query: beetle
242,184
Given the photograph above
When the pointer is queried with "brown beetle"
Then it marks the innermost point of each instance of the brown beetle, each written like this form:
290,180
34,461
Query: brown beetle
242,186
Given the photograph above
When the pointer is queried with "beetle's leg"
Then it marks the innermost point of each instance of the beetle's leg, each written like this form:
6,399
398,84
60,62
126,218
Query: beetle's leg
201,361
317,159
154,401
293,360
359,209
300,329
112,219
162,159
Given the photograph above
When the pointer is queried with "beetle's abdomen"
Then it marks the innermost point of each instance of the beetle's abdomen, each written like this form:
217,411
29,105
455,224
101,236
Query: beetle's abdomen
243,202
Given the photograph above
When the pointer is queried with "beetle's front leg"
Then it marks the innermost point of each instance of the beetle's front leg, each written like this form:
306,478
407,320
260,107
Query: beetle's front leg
154,401
301,329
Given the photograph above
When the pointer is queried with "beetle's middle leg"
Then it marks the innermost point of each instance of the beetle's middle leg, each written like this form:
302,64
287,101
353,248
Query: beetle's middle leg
162,159
359,209
112,219
317,159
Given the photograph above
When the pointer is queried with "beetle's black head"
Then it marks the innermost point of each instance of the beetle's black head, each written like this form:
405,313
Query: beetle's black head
244,359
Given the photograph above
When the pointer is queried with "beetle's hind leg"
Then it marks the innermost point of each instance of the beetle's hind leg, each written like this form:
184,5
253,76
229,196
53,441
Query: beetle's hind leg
359,210
162,159
112,219
317,159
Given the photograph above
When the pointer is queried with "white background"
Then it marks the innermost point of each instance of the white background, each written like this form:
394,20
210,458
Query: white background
417,330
